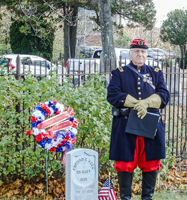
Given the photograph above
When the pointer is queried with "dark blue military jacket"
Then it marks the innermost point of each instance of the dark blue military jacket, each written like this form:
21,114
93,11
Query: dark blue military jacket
124,81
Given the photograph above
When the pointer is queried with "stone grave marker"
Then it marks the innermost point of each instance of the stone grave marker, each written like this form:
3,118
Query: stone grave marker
82,175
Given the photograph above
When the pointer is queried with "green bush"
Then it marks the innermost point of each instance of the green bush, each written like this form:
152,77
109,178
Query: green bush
182,62
20,155
167,62
23,40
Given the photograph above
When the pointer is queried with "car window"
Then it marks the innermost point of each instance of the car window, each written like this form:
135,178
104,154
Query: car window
43,63
26,61
97,54
38,63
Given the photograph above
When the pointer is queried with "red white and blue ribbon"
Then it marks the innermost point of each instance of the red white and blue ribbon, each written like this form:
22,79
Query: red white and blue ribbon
57,133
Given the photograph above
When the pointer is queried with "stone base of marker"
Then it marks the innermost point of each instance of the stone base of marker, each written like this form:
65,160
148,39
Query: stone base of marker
82,175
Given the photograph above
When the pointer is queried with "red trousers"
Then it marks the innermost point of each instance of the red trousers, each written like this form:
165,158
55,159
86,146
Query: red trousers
139,160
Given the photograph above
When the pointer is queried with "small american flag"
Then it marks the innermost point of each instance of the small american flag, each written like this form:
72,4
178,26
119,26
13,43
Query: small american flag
107,192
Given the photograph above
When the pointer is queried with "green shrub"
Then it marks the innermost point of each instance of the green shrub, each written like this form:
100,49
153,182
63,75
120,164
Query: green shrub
23,39
167,62
20,155
182,62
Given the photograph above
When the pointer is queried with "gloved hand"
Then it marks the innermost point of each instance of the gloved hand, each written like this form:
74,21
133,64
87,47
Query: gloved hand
130,101
142,113
154,101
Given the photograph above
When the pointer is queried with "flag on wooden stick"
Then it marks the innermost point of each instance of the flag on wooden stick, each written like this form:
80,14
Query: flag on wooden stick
107,191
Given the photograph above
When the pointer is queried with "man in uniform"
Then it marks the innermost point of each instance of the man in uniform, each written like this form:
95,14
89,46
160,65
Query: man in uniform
143,89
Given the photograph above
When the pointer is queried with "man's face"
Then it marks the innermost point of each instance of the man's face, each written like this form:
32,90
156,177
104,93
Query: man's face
138,56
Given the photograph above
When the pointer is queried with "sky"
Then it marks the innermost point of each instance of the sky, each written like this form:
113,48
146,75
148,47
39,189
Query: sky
163,7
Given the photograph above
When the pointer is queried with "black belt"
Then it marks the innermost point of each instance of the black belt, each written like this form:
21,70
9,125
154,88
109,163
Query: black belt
125,111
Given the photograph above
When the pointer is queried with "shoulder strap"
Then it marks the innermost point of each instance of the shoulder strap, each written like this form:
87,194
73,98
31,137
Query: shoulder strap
139,74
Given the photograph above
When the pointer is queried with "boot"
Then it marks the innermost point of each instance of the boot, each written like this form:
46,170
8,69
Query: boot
148,184
125,182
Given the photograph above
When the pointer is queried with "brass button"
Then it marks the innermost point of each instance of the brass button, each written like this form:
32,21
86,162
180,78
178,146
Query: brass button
138,88
138,78
138,83
140,98
139,92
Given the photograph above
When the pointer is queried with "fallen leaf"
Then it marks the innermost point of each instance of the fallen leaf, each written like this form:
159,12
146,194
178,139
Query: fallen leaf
54,192
50,189
12,186
17,191
18,183
30,194
40,186
26,190
38,192
59,191
9,194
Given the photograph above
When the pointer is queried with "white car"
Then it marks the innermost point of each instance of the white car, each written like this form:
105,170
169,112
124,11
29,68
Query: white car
38,66
35,64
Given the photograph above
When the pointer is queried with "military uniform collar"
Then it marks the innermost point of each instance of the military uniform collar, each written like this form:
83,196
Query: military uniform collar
135,66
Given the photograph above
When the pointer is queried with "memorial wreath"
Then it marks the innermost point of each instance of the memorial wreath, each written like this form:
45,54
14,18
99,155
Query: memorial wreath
57,133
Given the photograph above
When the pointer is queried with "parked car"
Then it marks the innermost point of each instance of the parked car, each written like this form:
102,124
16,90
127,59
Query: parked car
89,65
81,67
154,55
166,54
37,65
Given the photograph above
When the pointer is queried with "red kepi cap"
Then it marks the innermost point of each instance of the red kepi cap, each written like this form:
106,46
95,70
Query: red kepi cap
138,43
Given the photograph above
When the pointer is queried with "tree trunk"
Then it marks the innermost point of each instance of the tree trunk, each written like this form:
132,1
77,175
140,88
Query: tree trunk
73,32
181,51
66,42
182,62
107,34
70,35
